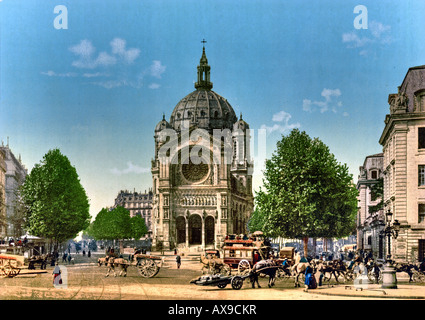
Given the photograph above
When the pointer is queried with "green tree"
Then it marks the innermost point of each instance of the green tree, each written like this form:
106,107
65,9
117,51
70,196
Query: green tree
116,224
307,193
256,222
138,227
56,204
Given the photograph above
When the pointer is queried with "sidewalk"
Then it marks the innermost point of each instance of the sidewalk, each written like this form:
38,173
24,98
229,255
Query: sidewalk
373,291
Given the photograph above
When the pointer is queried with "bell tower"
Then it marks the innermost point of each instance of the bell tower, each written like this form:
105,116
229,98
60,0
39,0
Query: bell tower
203,72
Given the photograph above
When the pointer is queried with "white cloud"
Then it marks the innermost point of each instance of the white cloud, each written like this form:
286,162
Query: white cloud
156,69
377,33
105,59
119,48
323,106
84,49
378,29
154,86
131,168
95,75
85,52
283,126
51,73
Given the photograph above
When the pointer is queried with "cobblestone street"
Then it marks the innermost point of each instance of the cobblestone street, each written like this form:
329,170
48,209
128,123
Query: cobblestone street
86,281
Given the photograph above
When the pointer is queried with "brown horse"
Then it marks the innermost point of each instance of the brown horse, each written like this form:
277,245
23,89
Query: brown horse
120,263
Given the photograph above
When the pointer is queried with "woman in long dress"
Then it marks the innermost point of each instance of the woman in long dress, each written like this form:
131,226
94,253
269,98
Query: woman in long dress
57,278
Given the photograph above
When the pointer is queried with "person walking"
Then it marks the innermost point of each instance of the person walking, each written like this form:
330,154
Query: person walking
310,280
57,278
178,260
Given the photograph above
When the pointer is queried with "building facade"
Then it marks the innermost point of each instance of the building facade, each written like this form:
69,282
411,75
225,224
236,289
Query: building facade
201,171
138,204
15,177
370,223
3,221
403,141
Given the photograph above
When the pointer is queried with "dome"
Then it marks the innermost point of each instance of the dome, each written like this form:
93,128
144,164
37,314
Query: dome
241,125
163,124
204,109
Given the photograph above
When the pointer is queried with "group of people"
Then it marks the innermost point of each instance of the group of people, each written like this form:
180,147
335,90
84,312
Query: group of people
14,242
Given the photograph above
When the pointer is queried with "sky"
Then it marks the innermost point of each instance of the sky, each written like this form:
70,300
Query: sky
93,78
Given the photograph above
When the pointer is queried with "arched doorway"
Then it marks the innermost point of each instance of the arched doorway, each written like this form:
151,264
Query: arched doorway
195,229
181,229
209,230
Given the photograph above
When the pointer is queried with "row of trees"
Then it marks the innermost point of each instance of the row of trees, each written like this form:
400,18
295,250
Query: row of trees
56,206
116,224
306,193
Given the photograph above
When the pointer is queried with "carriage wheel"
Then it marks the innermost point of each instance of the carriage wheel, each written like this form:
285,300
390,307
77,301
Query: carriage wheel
148,268
244,267
8,271
225,270
281,275
222,285
237,282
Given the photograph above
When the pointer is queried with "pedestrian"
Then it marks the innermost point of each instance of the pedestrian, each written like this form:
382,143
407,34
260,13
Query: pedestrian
89,254
84,253
321,269
310,281
178,260
57,278
69,258
64,256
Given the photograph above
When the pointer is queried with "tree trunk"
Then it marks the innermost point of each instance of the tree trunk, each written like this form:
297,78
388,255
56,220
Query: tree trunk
314,247
305,242
121,246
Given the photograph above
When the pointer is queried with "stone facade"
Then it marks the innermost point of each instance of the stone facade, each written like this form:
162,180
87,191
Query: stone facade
15,177
138,204
3,221
403,141
202,171
369,225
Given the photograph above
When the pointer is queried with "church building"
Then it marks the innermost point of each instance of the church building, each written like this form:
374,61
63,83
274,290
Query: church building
202,170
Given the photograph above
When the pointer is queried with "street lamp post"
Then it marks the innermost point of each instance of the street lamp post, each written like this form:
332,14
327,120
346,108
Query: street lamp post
389,278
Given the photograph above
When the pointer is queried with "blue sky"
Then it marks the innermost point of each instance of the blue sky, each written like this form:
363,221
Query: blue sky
97,89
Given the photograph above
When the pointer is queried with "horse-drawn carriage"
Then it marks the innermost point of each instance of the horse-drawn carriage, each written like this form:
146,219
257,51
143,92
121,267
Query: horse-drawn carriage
242,255
10,265
148,266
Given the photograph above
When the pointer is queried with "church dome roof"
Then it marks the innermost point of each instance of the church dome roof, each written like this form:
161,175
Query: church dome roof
204,109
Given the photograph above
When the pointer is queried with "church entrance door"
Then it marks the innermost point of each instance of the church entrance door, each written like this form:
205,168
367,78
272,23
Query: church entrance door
209,230
181,229
195,229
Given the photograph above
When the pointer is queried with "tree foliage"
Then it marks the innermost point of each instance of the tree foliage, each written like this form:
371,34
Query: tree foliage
117,224
56,204
306,192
